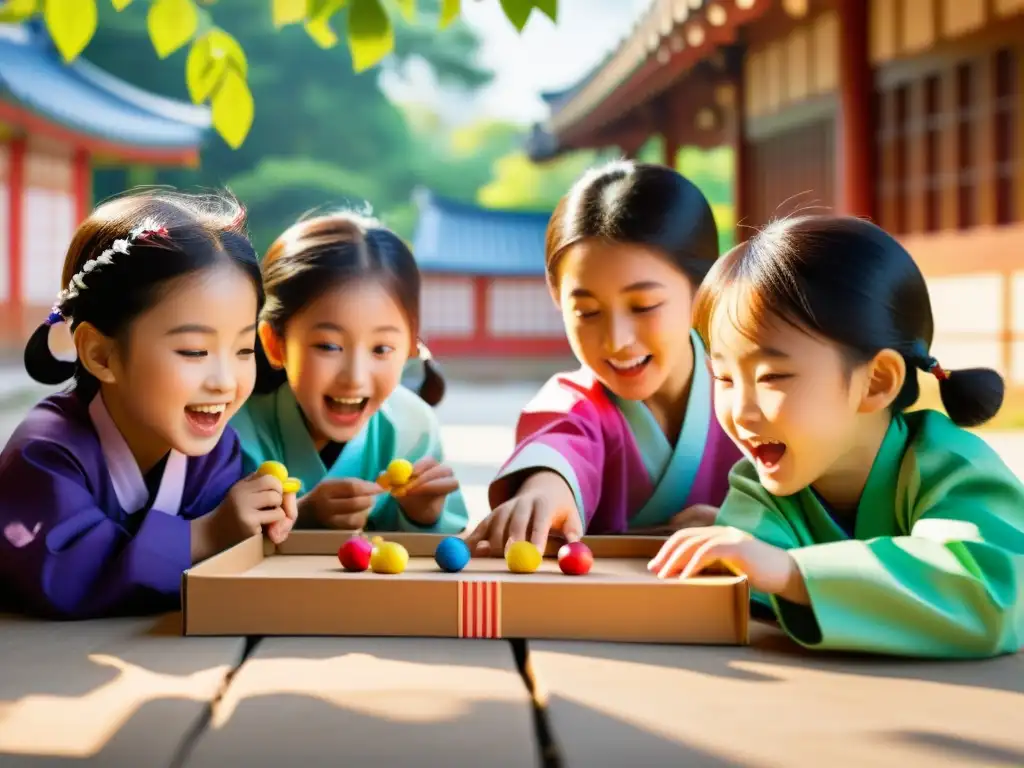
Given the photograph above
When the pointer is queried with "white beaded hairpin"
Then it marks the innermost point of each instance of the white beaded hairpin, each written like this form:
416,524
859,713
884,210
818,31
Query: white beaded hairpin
77,283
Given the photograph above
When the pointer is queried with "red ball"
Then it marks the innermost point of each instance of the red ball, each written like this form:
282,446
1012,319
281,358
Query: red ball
355,554
575,559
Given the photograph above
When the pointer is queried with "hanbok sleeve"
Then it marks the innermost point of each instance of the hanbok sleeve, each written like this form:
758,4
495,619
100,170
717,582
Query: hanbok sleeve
63,557
560,431
952,588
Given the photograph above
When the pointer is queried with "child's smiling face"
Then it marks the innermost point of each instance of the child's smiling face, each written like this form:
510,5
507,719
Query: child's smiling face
626,311
343,354
790,400
186,366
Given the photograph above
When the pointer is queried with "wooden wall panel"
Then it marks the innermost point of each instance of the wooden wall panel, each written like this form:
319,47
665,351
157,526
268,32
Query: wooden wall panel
825,47
962,16
884,30
798,63
918,25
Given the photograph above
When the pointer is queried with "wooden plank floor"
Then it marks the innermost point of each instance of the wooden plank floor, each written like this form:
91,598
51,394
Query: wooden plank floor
373,701
773,704
105,693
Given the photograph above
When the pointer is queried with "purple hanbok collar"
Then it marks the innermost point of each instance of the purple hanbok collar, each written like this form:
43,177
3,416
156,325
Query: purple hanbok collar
125,475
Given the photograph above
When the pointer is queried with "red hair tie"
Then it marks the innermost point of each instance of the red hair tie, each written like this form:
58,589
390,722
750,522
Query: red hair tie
937,370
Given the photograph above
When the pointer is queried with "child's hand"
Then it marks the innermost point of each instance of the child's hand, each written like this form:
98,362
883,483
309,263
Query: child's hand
697,516
768,568
278,532
543,504
252,503
422,498
341,504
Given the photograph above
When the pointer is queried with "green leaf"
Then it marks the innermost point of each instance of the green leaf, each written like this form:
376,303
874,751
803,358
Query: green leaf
450,10
232,108
15,11
321,33
370,35
408,9
318,21
323,9
120,5
171,23
208,59
71,24
548,7
287,12
517,11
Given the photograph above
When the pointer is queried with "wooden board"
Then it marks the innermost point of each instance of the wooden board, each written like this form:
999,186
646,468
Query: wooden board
775,704
106,692
289,590
374,701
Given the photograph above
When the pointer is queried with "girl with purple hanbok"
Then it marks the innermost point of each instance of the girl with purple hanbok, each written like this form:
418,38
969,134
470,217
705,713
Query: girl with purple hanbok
114,488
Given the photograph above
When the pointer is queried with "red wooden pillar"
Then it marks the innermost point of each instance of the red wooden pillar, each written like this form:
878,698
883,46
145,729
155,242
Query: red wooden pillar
481,312
15,235
82,185
855,145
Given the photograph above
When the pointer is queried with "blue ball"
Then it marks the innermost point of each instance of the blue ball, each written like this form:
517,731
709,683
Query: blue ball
452,554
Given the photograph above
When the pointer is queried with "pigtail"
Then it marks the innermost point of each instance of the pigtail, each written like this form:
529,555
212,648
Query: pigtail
972,396
268,378
432,389
40,362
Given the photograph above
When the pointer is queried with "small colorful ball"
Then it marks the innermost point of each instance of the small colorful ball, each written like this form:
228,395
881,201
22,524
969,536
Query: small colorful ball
399,472
575,558
523,557
291,485
275,468
452,554
355,554
389,557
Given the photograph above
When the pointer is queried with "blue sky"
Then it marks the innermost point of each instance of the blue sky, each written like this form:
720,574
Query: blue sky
545,56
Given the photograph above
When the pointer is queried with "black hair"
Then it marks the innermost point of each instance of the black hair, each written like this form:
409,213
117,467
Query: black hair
849,281
193,233
637,204
318,254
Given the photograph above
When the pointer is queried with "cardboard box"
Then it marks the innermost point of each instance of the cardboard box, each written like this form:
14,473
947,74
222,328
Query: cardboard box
300,588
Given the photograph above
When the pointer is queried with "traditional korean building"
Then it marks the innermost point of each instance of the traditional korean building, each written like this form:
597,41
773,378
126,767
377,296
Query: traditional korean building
910,112
484,292
58,122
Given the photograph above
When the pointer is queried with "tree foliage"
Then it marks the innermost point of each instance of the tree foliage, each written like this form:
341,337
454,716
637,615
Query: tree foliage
217,69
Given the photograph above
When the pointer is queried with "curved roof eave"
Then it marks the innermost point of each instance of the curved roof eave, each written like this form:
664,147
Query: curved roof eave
88,100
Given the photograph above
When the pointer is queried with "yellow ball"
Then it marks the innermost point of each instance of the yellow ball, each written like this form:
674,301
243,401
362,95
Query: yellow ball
291,485
389,557
275,468
523,557
399,472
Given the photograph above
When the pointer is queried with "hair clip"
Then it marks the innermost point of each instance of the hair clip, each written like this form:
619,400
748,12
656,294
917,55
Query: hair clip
76,284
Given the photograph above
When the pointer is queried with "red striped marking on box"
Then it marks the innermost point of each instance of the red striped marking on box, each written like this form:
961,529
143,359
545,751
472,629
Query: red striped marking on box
480,609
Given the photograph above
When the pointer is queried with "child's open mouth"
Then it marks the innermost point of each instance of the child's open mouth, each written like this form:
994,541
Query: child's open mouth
204,419
767,453
345,411
632,367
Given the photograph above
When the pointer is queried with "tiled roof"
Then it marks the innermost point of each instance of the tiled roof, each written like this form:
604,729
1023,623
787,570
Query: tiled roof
455,237
84,98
